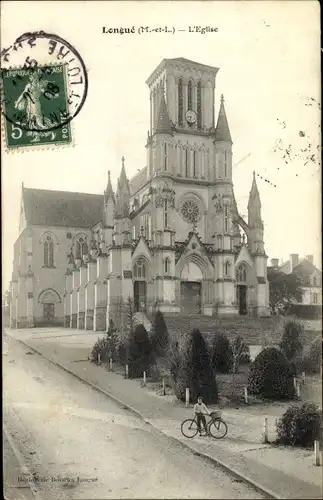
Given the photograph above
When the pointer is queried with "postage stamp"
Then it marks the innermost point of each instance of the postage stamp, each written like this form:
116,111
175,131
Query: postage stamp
43,88
35,100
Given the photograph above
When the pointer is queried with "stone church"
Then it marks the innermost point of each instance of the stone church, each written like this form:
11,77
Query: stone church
170,237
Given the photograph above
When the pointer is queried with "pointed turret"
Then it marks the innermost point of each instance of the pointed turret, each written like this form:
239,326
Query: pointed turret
123,193
254,206
108,193
222,131
123,181
163,125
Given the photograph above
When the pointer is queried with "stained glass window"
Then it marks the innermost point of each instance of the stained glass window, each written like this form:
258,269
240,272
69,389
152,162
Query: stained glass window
49,252
190,211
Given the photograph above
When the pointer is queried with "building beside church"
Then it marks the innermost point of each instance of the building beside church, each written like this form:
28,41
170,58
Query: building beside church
170,237
310,283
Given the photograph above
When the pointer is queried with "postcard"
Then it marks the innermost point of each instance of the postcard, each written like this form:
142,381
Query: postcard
162,280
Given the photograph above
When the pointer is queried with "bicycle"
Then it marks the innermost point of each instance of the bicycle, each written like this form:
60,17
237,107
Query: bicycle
216,427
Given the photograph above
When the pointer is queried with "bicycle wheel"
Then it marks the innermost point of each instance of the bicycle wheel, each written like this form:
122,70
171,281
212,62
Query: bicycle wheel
218,428
189,428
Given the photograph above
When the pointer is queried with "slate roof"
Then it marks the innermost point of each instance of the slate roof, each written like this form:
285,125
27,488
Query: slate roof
305,269
61,208
138,181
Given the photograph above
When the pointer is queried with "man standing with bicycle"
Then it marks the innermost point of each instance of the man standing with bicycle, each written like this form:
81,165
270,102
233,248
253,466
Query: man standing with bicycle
200,409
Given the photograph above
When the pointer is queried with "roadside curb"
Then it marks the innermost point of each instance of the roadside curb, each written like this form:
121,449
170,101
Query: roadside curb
24,469
227,468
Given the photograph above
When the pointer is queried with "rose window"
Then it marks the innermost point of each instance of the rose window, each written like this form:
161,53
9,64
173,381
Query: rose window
190,211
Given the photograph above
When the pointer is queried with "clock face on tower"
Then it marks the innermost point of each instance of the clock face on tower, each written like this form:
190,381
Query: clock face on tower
190,116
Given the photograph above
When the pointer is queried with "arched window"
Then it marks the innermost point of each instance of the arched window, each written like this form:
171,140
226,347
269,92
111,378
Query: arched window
165,156
226,219
227,268
194,164
189,95
314,281
48,252
167,265
180,101
166,213
199,105
186,162
140,269
219,242
81,248
225,164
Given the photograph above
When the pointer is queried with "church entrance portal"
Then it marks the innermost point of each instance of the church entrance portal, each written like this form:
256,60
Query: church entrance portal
140,295
48,313
191,287
191,297
242,299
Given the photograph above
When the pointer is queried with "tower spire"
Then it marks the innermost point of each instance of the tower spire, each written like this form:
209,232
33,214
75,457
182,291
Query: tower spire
163,125
123,176
123,192
254,205
108,193
222,131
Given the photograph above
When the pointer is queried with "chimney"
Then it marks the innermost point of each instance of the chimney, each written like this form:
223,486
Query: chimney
275,262
294,260
310,258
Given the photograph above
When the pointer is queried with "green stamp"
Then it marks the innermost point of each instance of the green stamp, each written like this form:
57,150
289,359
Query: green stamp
36,106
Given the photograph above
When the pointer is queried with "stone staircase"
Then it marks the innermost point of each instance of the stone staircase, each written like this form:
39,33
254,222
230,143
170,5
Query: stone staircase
255,331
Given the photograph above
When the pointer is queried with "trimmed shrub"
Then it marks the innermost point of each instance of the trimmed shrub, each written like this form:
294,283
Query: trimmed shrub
300,425
222,354
159,337
313,358
112,341
291,343
195,370
139,358
271,376
101,347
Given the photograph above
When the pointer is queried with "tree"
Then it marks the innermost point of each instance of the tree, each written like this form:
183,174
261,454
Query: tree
160,337
313,359
139,353
222,354
240,353
291,343
124,324
271,376
284,289
6,301
195,371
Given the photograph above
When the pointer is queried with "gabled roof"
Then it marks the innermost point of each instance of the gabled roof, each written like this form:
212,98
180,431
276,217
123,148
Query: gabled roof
61,208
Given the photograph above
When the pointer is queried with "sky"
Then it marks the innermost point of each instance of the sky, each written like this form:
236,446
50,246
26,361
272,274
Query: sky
269,59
